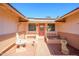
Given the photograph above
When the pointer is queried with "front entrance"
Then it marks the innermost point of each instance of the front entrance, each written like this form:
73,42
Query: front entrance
41,29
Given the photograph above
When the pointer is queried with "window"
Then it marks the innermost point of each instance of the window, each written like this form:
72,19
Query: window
41,27
32,27
51,27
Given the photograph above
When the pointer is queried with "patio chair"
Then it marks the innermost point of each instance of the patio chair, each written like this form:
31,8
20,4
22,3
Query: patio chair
20,42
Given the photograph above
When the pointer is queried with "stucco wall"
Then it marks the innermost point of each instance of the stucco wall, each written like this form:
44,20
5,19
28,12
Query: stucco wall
8,23
71,25
70,30
22,26
22,29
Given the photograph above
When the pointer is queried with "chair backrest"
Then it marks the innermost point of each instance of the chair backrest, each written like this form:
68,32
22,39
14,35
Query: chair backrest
17,36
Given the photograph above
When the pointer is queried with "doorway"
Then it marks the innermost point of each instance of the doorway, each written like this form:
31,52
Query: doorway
41,29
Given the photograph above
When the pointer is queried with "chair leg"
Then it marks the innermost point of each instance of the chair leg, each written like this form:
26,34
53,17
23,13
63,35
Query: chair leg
18,46
24,45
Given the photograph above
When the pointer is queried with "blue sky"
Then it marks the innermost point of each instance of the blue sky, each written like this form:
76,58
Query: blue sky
42,10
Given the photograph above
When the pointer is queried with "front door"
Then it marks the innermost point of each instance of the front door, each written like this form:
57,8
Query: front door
41,29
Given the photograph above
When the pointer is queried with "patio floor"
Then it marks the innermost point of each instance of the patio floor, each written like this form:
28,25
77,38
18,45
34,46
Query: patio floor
39,49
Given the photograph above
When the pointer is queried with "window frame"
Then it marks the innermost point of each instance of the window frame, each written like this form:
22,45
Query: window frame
48,26
31,25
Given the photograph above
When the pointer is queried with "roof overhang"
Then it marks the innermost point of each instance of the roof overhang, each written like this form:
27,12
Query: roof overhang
13,10
63,18
42,20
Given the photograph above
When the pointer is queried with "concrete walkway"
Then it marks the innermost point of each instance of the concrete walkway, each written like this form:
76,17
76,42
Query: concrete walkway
39,49
42,49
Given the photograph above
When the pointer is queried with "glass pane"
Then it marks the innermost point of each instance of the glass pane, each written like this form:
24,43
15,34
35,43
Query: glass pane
51,27
41,28
32,27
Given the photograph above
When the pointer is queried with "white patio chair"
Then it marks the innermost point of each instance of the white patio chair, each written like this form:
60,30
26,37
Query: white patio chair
19,41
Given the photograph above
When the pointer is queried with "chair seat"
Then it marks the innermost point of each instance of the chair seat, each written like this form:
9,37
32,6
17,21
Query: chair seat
20,41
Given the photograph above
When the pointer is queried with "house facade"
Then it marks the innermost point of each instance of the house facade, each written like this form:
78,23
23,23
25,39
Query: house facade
40,26
12,22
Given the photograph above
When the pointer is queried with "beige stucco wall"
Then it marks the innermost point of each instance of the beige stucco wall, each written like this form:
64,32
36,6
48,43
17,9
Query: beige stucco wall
70,29
70,26
8,22
22,26
22,29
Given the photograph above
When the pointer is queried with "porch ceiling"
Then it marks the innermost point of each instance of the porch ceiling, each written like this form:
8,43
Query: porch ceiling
23,19
41,20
